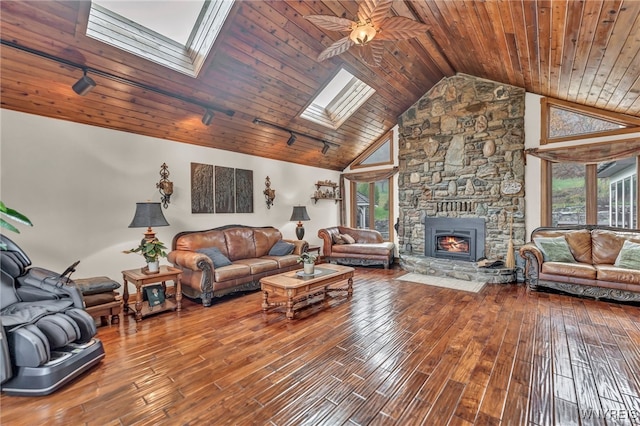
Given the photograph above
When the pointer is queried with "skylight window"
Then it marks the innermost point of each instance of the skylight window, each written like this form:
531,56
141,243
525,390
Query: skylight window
175,34
338,101
172,19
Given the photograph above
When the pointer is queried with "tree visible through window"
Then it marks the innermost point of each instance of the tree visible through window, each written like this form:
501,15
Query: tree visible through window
605,193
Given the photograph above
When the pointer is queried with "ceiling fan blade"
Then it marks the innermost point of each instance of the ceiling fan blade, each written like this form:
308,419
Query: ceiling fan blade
374,10
336,48
371,53
400,28
331,23
381,10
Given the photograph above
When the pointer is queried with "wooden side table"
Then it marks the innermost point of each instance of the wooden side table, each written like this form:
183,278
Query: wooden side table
140,279
316,249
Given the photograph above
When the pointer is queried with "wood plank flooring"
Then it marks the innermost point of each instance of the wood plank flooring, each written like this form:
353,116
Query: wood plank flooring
397,353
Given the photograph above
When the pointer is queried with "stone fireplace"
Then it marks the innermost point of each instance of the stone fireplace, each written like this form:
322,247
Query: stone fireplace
461,159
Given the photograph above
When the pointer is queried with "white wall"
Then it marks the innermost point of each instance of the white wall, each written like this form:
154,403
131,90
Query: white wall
532,121
79,185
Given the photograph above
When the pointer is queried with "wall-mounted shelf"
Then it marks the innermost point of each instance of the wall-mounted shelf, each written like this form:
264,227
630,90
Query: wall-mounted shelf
330,192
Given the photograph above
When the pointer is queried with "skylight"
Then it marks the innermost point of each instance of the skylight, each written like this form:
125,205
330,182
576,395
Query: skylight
338,101
173,19
175,34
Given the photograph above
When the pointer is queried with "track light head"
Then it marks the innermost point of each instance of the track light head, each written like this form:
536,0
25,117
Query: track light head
292,139
325,148
207,117
257,121
84,85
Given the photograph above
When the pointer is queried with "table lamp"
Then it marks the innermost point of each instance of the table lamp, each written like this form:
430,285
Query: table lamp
299,213
148,214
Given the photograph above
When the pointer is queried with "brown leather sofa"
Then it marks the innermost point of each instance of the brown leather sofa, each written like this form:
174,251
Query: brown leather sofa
595,250
246,247
368,248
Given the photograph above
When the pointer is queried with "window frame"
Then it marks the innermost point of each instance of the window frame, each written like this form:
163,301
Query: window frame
353,204
387,137
632,123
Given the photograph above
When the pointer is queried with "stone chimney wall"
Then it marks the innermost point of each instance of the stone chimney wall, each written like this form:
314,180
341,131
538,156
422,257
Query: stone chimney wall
462,155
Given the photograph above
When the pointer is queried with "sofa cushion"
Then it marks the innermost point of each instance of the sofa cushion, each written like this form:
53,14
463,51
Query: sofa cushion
606,244
284,261
337,239
629,256
554,249
265,238
281,248
231,272
580,245
258,265
618,275
216,256
577,270
369,248
240,243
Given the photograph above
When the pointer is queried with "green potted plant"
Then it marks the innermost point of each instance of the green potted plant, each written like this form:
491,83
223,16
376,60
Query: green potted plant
14,215
152,250
308,261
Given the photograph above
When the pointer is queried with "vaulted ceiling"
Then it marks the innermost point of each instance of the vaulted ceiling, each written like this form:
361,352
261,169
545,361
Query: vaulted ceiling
263,65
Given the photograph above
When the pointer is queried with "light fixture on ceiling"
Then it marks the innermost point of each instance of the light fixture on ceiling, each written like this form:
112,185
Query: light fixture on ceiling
207,117
292,139
294,136
325,148
363,33
84,85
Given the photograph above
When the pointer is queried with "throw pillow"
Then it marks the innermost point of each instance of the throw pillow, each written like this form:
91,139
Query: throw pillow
281,248
554,249
216,256
629,256
337,239
348,239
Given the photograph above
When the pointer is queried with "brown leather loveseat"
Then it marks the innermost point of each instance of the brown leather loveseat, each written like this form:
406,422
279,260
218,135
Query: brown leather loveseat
243,250
590,268
364,247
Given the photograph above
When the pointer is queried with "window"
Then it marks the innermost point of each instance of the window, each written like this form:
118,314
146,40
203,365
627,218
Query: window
563,121
371,206
602,189
612,200
379,153
339,99
118,24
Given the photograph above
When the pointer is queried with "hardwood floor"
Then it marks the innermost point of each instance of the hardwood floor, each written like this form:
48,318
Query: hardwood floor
397,353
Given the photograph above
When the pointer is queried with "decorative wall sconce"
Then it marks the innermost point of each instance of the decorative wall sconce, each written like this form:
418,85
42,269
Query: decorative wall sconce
165,186
269,194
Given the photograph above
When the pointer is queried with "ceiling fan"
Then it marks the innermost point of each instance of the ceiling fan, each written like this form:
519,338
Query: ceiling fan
369,32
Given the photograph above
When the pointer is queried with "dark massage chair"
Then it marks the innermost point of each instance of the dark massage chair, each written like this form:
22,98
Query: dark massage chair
47,338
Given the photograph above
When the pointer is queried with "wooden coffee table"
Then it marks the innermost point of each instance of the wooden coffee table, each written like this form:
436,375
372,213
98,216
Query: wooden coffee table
296,287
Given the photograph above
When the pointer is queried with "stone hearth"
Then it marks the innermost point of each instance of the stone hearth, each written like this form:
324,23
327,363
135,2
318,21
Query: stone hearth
456,269
461,155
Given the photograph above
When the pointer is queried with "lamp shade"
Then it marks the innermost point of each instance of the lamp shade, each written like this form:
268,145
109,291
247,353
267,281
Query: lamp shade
147,215
299,213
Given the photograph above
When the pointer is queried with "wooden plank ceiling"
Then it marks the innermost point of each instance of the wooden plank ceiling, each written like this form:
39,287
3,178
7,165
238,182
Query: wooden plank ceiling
264,66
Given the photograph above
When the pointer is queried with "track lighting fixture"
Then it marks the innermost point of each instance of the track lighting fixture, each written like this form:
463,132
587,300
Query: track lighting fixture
294,136
84,85
292,139
207,117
